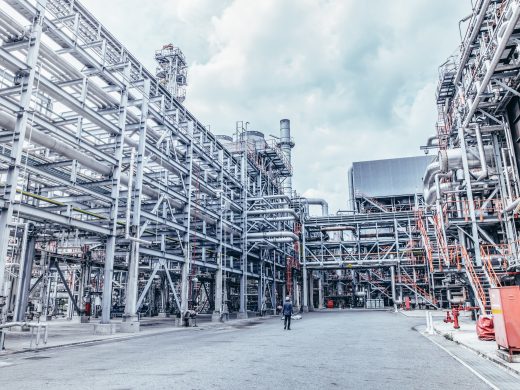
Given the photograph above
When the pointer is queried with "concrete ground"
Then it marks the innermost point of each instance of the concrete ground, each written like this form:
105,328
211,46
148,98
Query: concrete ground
341,349
62,332
466,336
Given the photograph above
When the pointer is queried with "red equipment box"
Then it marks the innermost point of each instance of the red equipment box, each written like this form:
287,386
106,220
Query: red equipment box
505,307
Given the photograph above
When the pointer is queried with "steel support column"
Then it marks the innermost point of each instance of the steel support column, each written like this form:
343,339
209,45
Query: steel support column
116,183
469,192
22,119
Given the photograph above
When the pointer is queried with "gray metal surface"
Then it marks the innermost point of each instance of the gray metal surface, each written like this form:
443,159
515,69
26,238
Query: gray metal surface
397,176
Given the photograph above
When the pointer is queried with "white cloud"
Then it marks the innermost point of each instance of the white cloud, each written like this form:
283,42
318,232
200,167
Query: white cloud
357,79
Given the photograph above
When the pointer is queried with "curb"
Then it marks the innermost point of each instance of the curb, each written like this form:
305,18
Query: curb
85,342
481,354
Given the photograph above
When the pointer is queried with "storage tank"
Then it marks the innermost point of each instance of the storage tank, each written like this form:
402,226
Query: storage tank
255,137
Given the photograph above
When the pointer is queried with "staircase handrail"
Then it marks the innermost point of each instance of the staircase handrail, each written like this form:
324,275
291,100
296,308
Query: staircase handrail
474,280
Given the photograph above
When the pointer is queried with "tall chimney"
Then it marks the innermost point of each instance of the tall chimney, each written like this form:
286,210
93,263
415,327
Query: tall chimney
286,144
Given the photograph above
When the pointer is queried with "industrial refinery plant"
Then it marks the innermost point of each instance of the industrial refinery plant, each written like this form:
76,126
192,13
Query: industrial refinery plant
119,209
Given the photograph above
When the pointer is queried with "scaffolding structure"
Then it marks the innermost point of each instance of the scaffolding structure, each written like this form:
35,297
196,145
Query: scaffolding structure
172,71
369,257
114,199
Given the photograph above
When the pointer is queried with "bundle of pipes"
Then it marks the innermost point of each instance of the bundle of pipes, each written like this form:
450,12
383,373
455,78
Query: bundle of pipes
451,160
8,122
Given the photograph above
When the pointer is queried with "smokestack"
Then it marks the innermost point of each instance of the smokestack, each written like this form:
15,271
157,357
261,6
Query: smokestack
286,144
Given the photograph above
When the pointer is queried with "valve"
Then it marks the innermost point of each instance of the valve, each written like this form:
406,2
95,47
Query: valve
455,312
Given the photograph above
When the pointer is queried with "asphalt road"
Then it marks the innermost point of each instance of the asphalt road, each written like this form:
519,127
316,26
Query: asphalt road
330,350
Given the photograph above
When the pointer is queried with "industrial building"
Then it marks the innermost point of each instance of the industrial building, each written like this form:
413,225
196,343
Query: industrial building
117,202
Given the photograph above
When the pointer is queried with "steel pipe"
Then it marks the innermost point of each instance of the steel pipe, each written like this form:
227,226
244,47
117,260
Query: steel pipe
315,201
481,154
469,41
273,211
268,235
502,43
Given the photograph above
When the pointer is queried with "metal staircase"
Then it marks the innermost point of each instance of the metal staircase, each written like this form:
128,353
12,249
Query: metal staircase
411,285
479,282
374,202
442,248
429,239
376,285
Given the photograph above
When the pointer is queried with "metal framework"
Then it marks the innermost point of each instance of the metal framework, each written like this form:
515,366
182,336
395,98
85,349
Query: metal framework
465,226
114,199
472,187
370,257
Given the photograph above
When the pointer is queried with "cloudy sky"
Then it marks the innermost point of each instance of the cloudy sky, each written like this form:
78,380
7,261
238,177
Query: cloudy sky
356,78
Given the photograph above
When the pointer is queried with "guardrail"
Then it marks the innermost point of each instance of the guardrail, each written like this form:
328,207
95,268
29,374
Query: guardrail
35,337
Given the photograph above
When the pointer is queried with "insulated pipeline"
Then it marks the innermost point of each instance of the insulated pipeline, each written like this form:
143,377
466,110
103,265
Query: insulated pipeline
273,211
315,201
269,235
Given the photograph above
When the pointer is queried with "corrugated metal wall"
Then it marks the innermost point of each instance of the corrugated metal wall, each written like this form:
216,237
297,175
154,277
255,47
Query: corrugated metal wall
391,177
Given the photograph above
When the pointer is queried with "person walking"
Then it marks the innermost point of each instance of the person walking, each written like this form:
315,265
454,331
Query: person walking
287,312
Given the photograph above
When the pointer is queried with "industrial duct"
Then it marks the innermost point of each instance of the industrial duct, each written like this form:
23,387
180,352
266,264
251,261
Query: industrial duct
451,159
430,196
315,201
280,240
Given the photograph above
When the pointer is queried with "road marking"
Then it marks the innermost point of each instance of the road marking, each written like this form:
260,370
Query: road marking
463,363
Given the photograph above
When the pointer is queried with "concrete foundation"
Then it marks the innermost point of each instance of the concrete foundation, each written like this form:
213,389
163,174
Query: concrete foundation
242,315
131,326
504,355
104,328
219,317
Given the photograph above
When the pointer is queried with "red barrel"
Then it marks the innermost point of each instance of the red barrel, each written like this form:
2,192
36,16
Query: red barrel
330,304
